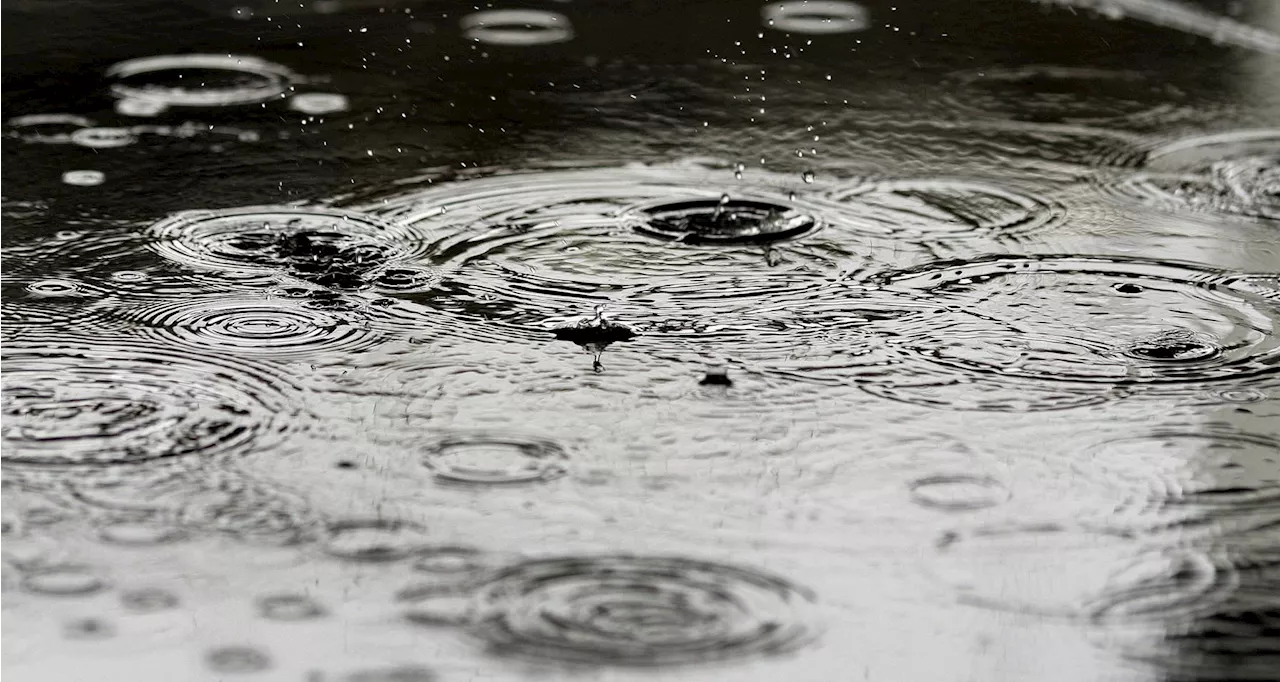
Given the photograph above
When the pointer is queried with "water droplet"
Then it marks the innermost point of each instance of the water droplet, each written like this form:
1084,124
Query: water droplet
807,176
738,169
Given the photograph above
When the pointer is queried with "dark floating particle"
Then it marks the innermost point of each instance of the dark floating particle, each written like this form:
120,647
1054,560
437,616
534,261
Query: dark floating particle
640,611
727,221
716,377
595,334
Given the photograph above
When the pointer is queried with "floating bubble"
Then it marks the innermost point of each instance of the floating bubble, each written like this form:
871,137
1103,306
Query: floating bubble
376,540
490,458
290,607
47,128
1026,321
517,27
942,209
815,17
103,138
237,660
91,403
958,492
704,221
84,178
328,247
269,328
142,108
636,610
319,103
200,80
67,580
140,533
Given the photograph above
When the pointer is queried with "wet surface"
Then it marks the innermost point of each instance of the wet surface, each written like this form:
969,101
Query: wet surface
391,341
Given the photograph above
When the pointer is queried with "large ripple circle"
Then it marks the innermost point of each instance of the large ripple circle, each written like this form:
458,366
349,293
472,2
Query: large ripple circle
636,610
85,402
549,237
305,242
275,328
1094,321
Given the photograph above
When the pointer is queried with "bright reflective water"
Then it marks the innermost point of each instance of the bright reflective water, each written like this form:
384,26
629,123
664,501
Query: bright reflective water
397,340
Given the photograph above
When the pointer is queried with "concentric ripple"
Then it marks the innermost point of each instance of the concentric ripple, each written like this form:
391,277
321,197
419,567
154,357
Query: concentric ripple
274,328
636,610
1092,321
1219,480
325,246
374,540
521,250
1233,173
494,458
87,403
1061,94
200,80
943,209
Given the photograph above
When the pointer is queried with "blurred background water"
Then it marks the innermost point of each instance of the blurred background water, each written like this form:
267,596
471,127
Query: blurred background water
410,340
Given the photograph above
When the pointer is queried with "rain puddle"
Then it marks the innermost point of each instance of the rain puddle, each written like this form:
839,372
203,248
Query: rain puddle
393,340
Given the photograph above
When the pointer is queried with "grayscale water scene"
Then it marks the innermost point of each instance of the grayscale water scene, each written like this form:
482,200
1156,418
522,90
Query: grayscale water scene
625,340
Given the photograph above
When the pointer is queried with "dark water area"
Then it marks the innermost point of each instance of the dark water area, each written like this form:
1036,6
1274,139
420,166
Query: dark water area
412,340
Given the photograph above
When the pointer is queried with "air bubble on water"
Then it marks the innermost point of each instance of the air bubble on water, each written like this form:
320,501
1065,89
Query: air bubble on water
290,607
83,178
141,108
148,599
517,27
237,660
318,103
103,138
64,581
